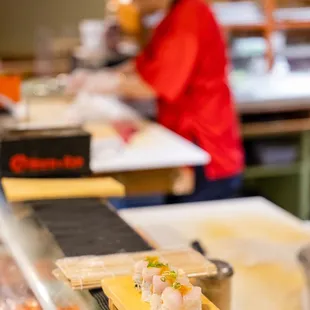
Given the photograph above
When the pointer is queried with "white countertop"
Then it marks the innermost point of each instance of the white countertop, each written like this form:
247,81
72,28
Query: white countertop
148,217
257,237
218,208
258,93
154,148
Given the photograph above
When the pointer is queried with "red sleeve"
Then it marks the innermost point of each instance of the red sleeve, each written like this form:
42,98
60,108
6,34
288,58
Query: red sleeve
167,66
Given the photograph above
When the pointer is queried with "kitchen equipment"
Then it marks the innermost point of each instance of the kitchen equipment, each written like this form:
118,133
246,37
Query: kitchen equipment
217,287
304,259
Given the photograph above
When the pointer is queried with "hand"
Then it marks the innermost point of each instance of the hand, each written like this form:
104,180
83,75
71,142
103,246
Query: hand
76,81
103,83
126,129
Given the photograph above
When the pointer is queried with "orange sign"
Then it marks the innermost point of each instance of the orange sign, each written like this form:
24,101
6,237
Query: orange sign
10,86
20,163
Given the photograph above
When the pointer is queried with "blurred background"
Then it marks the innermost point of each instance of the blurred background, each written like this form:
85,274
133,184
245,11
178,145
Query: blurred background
95,170
259,28
268,44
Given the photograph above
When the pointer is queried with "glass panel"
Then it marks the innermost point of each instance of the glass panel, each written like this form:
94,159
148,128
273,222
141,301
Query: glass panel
35,251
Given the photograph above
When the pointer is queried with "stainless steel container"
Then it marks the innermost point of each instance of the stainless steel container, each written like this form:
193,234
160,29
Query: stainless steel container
304,259
217,287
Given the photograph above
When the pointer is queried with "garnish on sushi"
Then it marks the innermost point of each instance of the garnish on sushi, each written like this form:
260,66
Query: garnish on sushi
144,271
164,287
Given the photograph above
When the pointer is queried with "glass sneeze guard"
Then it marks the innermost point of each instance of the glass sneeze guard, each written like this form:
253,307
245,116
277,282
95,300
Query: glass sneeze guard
34,250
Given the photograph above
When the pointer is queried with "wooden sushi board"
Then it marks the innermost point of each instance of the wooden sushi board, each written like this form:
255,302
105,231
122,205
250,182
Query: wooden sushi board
123,296
24,189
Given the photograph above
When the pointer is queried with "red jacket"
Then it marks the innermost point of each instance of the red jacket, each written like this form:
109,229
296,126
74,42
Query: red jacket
186,64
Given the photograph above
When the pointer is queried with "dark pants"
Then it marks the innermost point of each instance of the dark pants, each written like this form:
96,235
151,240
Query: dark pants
204,190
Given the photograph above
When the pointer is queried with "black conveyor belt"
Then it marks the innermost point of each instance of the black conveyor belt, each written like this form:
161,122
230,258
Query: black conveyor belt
88,227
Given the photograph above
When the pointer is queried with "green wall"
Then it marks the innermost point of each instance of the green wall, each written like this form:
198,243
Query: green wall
20,18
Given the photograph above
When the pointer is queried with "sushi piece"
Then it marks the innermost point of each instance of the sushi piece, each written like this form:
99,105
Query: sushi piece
147,274
160,283
180,296
192,299
191,296
154,268
171,299
166,279
171,285
137,275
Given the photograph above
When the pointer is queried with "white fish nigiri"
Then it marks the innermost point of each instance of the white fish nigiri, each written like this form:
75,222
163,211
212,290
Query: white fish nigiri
139,266
192,299
149,272
147,275
159,285
137,275
171,299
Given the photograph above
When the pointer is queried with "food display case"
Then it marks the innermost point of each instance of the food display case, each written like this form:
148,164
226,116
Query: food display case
27,256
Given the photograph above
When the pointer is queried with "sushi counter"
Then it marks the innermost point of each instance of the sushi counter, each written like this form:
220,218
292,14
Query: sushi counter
80,254
67,260
133,151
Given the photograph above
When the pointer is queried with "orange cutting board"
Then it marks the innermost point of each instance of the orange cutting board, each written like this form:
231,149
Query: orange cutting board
10,86
123,295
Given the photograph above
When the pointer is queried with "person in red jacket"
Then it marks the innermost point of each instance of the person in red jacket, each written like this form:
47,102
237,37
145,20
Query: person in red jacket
184,68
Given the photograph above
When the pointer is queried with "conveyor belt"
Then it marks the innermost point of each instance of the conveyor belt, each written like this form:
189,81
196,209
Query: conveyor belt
88,227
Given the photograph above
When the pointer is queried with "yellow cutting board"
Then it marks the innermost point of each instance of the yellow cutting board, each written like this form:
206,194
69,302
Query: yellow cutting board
17,189
123,295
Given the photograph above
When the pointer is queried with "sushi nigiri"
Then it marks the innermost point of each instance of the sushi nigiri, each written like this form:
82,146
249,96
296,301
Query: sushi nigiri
159,284
171,299
154,268
192,299
147,274
166,279
183,297
137,275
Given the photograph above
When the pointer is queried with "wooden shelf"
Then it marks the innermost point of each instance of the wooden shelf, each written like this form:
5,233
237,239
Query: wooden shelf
275,127
265,171
27,67
292,18
245,27
271,20
292,25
